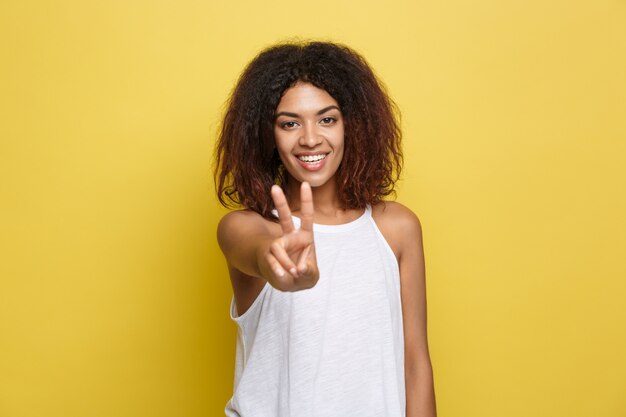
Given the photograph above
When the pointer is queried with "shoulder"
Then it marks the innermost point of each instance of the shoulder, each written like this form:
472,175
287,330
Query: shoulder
232,218
236,224
236,219
396,216
399,225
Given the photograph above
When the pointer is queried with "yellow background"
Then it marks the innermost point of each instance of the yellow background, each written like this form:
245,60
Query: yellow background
113,294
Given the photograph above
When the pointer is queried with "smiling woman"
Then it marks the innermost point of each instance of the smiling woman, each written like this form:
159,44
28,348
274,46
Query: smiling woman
309,135
247,163
328,279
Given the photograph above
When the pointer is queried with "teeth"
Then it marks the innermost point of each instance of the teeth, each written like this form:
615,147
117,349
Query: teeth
311,158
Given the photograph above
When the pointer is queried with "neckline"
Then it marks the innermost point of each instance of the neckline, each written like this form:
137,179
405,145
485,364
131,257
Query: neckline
334,228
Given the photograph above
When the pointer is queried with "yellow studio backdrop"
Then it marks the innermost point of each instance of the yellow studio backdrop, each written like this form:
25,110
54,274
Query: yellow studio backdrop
114,295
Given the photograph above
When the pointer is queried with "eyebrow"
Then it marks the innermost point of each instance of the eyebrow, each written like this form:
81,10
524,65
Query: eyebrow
324,110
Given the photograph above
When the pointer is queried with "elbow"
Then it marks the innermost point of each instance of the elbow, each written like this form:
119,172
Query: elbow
418,368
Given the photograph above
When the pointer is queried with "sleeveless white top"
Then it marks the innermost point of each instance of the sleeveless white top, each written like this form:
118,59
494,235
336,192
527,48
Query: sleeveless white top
335,350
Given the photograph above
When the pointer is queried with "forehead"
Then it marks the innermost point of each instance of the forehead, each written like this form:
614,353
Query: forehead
305,97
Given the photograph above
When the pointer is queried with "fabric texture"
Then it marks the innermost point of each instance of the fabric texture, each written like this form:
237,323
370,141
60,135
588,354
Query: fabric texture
334,350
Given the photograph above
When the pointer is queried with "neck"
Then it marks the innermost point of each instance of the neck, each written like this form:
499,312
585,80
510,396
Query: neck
325,199
326,204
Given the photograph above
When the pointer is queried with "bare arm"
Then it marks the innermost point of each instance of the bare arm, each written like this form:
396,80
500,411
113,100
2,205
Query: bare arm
403,231
241,235
283,257
420,393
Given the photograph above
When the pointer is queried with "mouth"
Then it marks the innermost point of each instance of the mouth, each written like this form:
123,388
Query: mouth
312,159
312,162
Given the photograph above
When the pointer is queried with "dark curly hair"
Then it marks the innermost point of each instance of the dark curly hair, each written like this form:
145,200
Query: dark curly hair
246,162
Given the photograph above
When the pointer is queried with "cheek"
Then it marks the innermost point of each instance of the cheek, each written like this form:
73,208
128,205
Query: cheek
340,142
284,142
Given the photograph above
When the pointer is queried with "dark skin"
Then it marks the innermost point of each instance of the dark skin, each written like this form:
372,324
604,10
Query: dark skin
258,250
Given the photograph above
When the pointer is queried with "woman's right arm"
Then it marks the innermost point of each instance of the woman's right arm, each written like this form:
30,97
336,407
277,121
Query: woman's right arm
254,247
242,235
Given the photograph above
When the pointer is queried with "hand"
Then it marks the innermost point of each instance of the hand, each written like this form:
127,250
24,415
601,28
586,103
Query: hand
291,257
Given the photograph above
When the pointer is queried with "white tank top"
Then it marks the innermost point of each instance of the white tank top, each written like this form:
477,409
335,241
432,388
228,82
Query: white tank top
336,350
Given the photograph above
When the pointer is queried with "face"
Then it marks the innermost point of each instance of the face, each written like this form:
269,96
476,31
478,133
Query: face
308,131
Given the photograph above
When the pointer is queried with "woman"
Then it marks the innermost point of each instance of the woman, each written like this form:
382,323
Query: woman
328,278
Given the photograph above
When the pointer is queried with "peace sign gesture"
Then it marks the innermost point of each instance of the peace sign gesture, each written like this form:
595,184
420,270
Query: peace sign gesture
291,257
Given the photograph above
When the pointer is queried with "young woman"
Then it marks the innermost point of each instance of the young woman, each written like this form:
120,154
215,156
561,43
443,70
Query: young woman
328,278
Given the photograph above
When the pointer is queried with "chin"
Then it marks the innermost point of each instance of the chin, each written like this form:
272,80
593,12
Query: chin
315,179
316,182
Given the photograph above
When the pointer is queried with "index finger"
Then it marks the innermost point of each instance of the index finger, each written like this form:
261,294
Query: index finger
306,207
284,214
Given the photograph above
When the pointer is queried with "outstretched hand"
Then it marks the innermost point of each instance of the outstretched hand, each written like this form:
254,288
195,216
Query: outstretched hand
291,257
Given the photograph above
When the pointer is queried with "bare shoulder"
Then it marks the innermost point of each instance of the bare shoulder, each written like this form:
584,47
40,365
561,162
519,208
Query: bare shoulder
394,215
238,218
399,225
236,225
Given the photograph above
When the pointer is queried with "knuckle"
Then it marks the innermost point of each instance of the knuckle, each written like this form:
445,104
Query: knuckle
283,284
275,246
279,284
271,261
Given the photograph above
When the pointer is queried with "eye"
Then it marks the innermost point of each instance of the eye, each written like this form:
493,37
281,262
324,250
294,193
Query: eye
289,125
328,120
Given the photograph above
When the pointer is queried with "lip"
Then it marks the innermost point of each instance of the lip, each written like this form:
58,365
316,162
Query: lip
312,166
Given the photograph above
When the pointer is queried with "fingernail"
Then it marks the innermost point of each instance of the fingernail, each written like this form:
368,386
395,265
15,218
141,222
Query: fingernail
279,272
294,272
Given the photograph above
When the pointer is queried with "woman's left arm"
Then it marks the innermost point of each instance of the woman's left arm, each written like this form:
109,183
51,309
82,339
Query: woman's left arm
420,392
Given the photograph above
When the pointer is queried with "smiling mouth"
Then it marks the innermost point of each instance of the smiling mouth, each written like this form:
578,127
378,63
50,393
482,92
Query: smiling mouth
312,159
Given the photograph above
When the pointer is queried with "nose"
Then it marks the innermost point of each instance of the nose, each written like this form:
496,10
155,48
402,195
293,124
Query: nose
310,136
